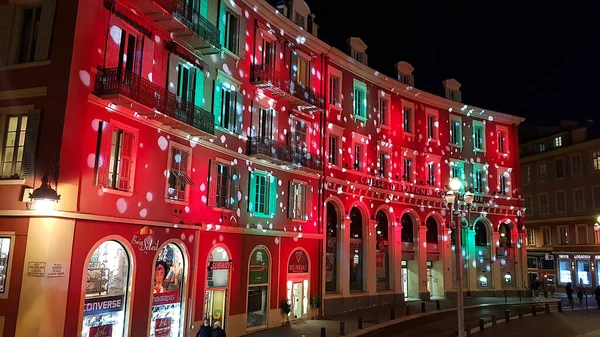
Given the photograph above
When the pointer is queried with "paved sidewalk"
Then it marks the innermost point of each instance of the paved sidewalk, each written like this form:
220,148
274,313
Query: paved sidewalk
372,316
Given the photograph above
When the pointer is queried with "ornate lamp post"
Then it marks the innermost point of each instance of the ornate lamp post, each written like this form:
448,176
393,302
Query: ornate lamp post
452,197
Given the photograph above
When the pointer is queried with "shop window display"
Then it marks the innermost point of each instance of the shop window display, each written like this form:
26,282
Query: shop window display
217,284
564,272
106,291
583,273
258,288
4,255
167,288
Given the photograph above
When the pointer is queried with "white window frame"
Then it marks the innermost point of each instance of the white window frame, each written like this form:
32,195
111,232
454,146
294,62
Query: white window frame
436,160
305,212
384,97
564,193
539,175
547,210
564,167
587,235
480,124
411,107
503,129
334,72
575,199
528,205
527,175
594,196
435,132
507,173
11,252
453,120
188,172
549,237
557,142
385,148
359,139
573,171
116,124
532,241
361,86
409,154
337,132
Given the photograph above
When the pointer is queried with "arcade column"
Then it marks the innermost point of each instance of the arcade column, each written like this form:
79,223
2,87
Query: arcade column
422,263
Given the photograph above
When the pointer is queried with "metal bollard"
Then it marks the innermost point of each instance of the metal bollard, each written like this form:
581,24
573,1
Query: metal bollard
493,320
481,324
586,302
323,332
520,314
519,295
407,310
393,314
437,304
422,306
507,316
505,297
534,310
359,323
342,328
560,306
547,307
468,330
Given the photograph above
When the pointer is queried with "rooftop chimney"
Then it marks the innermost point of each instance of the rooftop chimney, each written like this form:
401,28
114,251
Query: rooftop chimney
357,50
452,89
405,71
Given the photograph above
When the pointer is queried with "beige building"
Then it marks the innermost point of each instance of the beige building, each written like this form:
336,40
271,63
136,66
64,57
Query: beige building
560,170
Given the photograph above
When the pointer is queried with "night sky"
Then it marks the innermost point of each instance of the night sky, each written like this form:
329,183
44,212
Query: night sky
539,60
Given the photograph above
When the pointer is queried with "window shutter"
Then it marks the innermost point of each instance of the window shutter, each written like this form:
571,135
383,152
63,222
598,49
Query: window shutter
42,46
274,125
233,187
30,146
126,161
204,9
252,192
7,14
222,21
308,195
255,119
173,75
103,153
199,88
192,84
239,112
291,200
273,196
212,183
241,37
294,65
217,102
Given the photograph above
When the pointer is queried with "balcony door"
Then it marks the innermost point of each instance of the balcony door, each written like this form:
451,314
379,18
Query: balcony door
130,51
185,82
299,139
264,124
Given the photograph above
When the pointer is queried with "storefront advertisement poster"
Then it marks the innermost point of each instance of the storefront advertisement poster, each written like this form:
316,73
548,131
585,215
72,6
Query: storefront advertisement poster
104,304
259,267
168,297
380,265
298,262
162,327
101,331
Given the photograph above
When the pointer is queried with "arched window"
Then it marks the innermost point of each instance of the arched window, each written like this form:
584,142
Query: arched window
356,250
481,234
331,250
217,284
382,251
108,283
505,240
407,228
167,288
432,230
258,288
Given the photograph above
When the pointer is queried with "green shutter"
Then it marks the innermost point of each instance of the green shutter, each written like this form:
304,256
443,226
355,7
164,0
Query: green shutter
273,196
222,21
252,192
204,8
199,89
217,103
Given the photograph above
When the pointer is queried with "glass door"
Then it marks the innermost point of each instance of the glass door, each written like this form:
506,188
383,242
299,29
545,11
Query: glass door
405,281
214,306
297,300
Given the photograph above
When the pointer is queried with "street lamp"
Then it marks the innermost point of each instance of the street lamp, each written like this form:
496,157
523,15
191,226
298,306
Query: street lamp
452,197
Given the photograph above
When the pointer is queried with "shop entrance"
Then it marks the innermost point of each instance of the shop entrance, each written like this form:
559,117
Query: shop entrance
298,307
214,306
404,279
297,284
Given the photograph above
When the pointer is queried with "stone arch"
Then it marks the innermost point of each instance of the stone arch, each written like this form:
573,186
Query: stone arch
506,226
338,204
415,221
487,227
362,207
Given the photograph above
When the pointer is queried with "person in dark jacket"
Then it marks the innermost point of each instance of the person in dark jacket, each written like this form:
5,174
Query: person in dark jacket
569,291
205,330
597,295
217,331
580,293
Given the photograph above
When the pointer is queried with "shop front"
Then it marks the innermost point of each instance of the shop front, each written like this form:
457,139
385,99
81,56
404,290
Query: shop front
217,286
298,279
579,270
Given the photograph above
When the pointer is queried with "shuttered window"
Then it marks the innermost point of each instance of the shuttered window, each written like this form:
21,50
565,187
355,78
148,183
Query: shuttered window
300,201
262,201
228,107
178,175
223,185
115,157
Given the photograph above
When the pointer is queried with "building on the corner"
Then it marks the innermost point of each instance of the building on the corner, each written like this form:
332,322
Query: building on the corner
560,169
215,159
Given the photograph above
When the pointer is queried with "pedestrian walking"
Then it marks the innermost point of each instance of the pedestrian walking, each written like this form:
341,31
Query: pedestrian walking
217,331
580,295
569,291
597,295
205,330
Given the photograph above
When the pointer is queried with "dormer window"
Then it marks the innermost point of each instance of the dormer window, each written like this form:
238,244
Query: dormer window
360,57
299,20
358,49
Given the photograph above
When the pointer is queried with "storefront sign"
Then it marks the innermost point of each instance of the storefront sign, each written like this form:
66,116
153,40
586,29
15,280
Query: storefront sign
400,187
166,298
219,265
596,257
36,269
145,244
162,327
56,270
259,267
104,304
101,331
582,257
298,262
563,256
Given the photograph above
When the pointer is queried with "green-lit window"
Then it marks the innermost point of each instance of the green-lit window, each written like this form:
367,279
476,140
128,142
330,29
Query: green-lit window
457,169
479,179
456,131
360,100
478,136
263,194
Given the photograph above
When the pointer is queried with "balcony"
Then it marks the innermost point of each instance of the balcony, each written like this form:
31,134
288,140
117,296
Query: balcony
283,154
123,87
184,22
279,85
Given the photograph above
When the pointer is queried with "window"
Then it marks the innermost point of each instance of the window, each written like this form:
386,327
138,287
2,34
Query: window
503,186
384,118
431,127
563,235
457,169
332,155
185,82
543,203
223,185
582,235
558,141
406,172
14,144
228,107
407,124
596,196
431,174
479,179
382,256
576,164
481,235
431,236
531,237
528,205
29,34
596,160
300,69
542,147
579,199
5,255
360,100
583,273
263,194
456,130
169,282
478,136
560,168
384,164
299,20
231,32
331,264
407,232
542,172
564,271
264,125
115,157
503,144
526,174
178,175
258,288
300,201
560,202
356,250
358,153
546,236
334,91
532,262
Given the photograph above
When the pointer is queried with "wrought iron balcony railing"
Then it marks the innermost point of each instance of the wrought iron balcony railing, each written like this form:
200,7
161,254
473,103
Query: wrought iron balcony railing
190,16
283,153
118,81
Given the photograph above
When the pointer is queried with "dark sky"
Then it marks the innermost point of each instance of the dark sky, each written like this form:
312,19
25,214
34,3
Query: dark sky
536,59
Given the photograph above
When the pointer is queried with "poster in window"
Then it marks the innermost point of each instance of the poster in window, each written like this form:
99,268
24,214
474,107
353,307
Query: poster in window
380,265
101,331
162,327
259,267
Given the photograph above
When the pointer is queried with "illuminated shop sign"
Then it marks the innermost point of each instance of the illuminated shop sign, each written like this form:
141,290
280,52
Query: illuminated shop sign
219,265
596,257
101,305
582,257
298,262
419,190
166,298
563,256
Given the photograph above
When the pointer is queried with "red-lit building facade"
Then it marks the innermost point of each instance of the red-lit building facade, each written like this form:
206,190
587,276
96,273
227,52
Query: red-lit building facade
215,159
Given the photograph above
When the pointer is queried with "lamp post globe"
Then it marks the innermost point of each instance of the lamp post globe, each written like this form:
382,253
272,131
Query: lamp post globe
469,197
455,184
